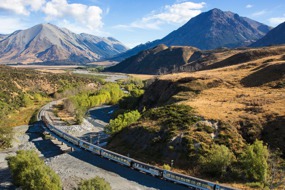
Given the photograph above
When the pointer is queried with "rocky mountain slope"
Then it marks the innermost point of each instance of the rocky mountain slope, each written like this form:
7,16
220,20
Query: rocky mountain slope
275,37
3,36
209,30
161,59
47,42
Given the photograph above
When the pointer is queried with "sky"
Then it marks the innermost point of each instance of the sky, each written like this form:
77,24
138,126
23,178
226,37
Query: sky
130,21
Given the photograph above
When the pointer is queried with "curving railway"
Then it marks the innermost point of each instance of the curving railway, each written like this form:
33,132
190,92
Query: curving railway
191,182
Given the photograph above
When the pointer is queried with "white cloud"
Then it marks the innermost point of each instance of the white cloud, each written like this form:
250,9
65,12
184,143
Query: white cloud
80,14
9,25
174,14
248,6
276,20
21,7
74,16
259,13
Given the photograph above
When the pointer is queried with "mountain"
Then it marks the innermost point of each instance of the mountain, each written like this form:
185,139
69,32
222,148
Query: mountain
275,37
158,60
209,30
47,42
3,36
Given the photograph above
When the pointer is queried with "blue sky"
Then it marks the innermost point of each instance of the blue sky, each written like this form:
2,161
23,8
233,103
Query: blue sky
130,21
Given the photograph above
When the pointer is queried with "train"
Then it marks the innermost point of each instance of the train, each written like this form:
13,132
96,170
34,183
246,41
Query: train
189,181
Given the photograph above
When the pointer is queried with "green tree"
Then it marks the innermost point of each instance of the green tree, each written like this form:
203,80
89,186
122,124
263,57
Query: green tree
122,121
96,183
38,97
166,167
31,173
254,161
26,100
217,160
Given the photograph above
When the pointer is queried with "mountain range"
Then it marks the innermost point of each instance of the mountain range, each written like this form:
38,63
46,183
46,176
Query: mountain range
209,30
47,42
275,37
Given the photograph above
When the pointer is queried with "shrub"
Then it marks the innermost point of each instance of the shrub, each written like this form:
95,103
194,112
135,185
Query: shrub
166,167
96,183
217,160
6,136
26,100
31,173
254,161
122,121
38,97
173,116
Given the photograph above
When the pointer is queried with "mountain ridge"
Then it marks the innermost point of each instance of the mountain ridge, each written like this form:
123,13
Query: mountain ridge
219,29
275,37
47,42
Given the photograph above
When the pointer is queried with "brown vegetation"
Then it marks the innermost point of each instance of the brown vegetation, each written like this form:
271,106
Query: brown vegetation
244,100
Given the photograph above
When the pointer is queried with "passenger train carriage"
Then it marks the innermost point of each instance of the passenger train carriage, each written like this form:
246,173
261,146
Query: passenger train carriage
143,167
116,157
187,180
71,139
147,168
91,147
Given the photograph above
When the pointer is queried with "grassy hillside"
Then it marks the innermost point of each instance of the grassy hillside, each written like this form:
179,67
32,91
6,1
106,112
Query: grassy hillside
233,105
24,91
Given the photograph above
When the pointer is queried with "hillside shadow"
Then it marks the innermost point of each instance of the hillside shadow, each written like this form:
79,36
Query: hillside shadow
102,113
265,75
274,134
6,179
45,146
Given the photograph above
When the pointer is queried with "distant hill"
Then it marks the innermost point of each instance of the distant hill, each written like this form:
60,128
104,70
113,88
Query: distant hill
3,36
209,30
161,59
47,42
275,37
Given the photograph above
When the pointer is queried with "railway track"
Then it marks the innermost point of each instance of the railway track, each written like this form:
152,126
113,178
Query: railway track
179,179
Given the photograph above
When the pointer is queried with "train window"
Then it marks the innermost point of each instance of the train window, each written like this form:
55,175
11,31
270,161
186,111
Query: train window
204,185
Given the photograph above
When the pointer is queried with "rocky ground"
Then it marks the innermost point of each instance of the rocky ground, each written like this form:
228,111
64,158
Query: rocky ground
72,170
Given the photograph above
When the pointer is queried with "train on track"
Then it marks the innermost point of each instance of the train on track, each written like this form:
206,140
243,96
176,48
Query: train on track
189,181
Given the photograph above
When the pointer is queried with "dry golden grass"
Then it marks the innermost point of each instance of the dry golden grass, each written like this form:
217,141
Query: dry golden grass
55,71
246,91
232,100
142,77
20,117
